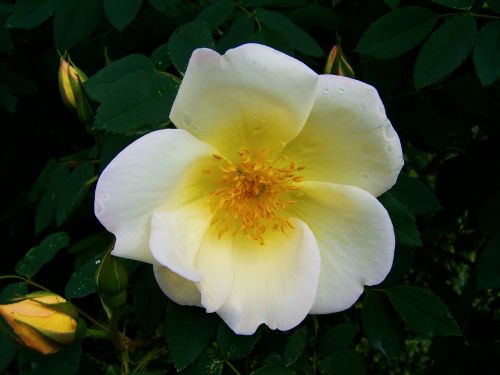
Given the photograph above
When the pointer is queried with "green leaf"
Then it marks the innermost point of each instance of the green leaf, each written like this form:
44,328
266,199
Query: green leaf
161,58
379,324
74,190
75,20
295,346
82,281
487,53
65,361
40,255
28,14
337,338
205,365
141,103
47,206
343,362
101,85
121,12
150,303
423,311
215,14
13,291
238,33
188,332
185,39
405,227
397,32
457,4
235,346
415,195
444,50
294,35
8,348
5,40
488,272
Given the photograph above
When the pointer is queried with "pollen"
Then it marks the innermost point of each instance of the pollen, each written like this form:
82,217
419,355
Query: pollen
253,194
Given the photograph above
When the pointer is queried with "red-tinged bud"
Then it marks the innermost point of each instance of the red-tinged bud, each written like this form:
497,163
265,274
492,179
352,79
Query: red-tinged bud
337,62
71,81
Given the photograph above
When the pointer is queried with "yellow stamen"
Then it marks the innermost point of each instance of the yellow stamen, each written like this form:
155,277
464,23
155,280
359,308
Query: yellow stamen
253,194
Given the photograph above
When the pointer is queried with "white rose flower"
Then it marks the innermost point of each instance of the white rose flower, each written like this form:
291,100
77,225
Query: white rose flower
261,205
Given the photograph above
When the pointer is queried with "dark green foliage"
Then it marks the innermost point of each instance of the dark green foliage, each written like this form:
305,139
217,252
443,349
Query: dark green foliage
445,50
397,32
121,12
487,53
235,346
488,275
66,361
405,227
436,65
423,311
380,324
38,256
188,332
75,20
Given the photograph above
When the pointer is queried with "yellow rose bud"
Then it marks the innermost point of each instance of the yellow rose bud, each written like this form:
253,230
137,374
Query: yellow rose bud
70,80
44,322
337,62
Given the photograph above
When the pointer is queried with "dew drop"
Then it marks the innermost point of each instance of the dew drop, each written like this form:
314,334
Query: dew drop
389,132
389,148
341,91
325,92
97,261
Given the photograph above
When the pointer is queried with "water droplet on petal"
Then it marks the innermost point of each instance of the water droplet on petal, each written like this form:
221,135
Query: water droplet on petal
341,91
389,148
389,132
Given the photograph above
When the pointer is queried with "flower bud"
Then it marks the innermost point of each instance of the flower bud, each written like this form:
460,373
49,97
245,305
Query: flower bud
71,89
112,280
70,80
42,321
337,63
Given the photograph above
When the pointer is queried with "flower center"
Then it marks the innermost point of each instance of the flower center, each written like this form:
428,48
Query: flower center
254,194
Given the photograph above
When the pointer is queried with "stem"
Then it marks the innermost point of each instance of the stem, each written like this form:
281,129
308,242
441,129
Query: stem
232,367
98,334
148,357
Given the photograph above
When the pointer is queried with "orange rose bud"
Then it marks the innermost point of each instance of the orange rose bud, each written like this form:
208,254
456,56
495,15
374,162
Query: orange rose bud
43,321
337,62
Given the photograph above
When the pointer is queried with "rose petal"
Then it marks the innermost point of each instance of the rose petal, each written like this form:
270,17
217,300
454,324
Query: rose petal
176,237
159,171
356,239
215,264
274,283
347,138
252,97
177,288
